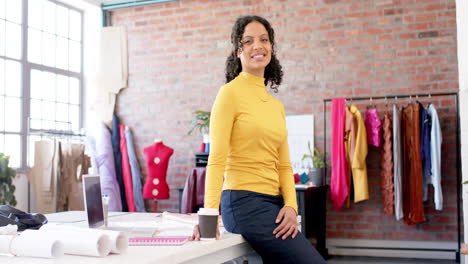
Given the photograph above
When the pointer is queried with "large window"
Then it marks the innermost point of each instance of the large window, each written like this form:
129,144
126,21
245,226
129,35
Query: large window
41,78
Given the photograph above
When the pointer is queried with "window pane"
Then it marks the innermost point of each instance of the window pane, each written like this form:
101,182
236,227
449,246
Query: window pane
34,45
2,114
48,49
48,86
62,53
13,11
12,114
2,77
48,14
35,13
35,124
2,37
13,40
36,84
62,88
75,117
48,113
31,145
13,149
48,125
75,56
74,91
75,25
61,112
12,78
62,21
35,111
2,10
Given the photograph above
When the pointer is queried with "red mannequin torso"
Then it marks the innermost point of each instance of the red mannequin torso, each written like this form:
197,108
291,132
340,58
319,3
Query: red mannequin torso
157,161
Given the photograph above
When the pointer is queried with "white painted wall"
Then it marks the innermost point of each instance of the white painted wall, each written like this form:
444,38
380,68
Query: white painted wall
462,38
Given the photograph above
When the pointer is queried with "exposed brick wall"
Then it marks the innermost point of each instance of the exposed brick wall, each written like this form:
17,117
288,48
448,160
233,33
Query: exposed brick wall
328,48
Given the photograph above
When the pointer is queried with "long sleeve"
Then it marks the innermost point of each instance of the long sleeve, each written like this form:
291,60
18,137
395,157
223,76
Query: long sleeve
221,122
286,178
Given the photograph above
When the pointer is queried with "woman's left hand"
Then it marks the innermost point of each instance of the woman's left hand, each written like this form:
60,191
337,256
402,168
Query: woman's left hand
288,226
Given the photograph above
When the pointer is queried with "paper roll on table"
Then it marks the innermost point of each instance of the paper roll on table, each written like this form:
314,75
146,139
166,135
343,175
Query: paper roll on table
31,243
118,240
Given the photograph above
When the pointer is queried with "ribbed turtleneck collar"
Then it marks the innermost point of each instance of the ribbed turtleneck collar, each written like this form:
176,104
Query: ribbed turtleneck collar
253,78
259,82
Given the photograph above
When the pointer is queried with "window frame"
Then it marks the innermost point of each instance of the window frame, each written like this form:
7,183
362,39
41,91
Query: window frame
25,85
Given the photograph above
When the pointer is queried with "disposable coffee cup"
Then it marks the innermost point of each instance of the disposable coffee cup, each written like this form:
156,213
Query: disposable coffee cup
208,223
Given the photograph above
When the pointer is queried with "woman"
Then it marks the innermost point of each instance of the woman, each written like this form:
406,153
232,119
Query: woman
249,157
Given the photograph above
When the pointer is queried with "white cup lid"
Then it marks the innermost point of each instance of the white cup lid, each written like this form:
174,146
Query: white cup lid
208,211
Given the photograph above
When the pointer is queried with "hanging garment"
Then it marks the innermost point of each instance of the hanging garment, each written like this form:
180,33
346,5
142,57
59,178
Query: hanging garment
373,127
397,164
436,142
74,163
339,179
350,147
359,166
118,160
413,209
44,175
194,191
102,159
386,163
425,149
136,172
157,161
126,171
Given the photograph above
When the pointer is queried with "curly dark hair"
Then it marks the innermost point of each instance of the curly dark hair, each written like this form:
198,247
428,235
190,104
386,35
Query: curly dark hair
273,71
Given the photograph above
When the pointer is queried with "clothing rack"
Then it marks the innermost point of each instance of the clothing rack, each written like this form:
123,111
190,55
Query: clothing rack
458,150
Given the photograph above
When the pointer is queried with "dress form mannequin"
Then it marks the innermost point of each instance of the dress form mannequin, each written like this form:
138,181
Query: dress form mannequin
157,160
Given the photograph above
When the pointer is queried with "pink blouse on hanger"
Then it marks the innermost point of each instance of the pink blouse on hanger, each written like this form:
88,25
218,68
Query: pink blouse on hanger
373,127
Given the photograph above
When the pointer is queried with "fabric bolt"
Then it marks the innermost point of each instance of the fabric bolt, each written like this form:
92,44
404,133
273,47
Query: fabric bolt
126,171
248,143
339,179
358,165
136,172
425,148
373,127
102,158
45,174
397,164
253,215
413,210
436,143
118,160
157,161
386,164
194,191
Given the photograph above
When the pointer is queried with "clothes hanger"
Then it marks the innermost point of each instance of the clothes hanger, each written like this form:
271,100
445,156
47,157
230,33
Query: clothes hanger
371,106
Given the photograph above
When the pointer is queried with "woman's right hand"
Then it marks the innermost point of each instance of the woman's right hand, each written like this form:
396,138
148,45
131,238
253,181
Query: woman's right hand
196,233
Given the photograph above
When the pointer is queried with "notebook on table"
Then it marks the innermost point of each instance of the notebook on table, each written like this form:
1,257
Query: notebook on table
157,241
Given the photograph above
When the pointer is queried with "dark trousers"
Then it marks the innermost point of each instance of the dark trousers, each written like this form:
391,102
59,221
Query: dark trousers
253,216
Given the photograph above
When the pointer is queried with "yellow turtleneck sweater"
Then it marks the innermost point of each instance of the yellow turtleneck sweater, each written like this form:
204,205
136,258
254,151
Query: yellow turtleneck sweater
248,143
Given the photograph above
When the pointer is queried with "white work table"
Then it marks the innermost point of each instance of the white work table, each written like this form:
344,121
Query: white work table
230,246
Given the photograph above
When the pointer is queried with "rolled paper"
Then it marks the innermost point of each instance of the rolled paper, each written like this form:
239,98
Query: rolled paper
81,243
32,243
118,240
5,243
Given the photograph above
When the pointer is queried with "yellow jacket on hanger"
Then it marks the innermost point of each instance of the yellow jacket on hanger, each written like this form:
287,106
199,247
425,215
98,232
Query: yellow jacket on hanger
358,164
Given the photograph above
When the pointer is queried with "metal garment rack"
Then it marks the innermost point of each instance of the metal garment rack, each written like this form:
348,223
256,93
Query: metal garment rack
458,154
